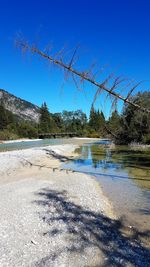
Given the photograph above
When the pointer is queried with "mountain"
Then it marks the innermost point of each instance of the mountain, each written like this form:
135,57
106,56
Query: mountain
19,107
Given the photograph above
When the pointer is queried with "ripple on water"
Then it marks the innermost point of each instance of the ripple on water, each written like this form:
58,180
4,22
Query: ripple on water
124,175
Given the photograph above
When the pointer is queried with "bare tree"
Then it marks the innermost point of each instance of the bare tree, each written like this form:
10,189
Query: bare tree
112,85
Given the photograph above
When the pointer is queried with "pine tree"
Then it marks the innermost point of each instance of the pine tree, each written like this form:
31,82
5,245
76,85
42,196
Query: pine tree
114,122
47,123
100,122
3,117
135,126
96,120
6,117
92,119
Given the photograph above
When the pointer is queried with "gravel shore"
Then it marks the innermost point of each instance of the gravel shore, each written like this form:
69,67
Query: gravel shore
50,217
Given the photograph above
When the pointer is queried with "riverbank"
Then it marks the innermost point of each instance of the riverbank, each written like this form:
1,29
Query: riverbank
30,181
29,143
32,140
44,163
18,140
53,217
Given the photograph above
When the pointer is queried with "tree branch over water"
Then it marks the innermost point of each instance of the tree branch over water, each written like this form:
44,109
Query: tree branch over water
108,85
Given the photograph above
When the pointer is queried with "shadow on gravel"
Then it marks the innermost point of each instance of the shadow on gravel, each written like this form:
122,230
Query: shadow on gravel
52,153
88,229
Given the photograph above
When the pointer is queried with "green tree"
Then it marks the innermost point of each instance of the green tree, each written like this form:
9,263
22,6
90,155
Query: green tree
96,122
135,124
57,117
75,121
100,122
6,117
46,123
93,119
114,123
26,129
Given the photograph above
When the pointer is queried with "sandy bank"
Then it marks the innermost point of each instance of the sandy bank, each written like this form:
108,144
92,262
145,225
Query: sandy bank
19,140
42,163
50,217
17,164
22,185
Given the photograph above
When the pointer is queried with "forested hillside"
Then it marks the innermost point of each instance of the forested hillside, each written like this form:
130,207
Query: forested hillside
129,126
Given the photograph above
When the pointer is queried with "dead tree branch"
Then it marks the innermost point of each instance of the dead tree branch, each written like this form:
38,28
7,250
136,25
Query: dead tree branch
85,76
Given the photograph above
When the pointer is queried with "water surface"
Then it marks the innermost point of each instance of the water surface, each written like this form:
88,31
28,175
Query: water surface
124,175
37,143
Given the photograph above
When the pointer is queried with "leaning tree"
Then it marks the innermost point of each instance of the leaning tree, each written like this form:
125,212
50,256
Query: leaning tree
112,85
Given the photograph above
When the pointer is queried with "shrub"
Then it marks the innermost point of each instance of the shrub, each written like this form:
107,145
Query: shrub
7,135
146,139
25,129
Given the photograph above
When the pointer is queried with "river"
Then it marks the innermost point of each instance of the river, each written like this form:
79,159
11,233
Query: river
35,143
123,173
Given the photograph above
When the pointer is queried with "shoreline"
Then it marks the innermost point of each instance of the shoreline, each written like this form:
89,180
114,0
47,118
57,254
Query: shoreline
18,140
39,139
56,217
22,185
79,140
21,164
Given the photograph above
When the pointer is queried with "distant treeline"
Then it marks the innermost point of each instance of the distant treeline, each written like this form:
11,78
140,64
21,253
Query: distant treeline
130,126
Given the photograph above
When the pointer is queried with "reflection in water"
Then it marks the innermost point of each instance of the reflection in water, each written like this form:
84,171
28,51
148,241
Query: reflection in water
97,157
124,174
105,160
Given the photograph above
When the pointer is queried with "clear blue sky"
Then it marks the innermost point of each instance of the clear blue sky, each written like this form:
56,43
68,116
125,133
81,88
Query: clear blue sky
112,32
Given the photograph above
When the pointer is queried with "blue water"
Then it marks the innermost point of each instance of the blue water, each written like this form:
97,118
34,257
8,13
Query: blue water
35,143
124,175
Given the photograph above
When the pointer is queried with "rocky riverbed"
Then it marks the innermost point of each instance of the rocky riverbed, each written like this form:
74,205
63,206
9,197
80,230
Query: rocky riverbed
54,217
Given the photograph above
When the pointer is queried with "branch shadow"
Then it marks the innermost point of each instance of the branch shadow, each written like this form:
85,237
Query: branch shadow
145,211
113,176
89,229
55,155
